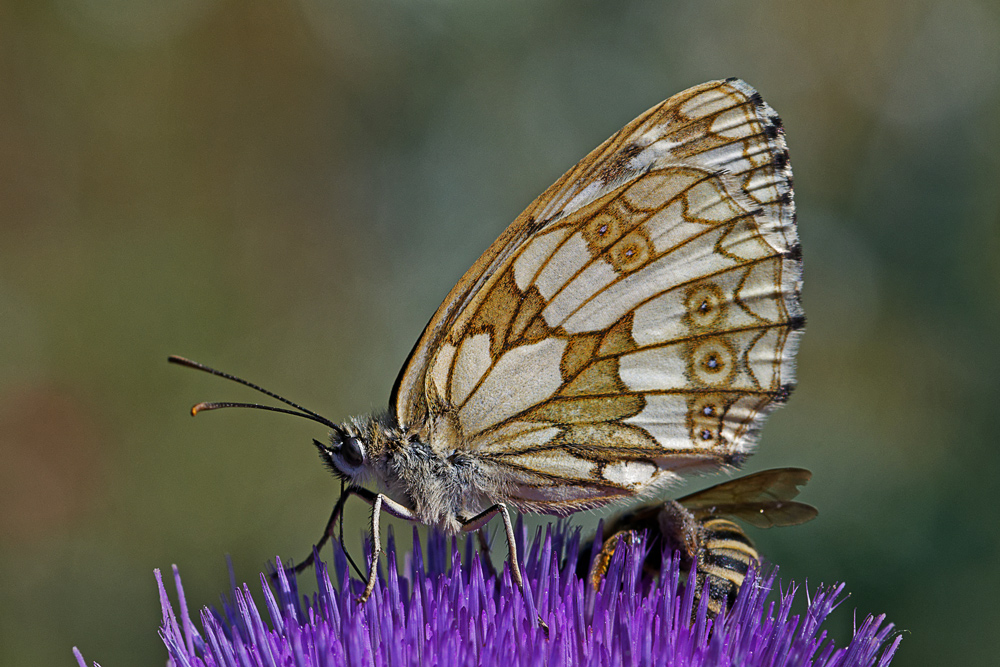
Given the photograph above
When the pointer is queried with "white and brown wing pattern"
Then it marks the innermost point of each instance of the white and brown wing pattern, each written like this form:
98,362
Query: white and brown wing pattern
638,319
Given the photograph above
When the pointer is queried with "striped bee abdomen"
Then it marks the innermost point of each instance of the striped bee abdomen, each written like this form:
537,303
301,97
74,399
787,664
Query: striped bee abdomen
725,554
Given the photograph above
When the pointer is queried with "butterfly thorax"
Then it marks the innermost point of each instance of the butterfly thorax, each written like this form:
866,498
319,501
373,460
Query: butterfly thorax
439,485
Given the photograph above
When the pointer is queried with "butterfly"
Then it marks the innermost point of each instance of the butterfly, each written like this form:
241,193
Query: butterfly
698,526
636,322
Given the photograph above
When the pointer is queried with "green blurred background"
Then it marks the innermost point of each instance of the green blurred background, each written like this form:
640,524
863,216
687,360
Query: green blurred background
287,190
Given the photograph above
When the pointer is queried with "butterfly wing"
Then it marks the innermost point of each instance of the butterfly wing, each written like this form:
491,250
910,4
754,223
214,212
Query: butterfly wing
640,318
763,499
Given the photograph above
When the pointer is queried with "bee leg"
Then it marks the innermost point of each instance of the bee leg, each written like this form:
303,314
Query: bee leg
602,561
480,520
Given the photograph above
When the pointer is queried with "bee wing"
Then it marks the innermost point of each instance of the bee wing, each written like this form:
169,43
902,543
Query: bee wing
640,318
762,499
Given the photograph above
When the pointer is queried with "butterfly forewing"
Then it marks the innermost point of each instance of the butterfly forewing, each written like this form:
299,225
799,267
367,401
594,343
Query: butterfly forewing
638,319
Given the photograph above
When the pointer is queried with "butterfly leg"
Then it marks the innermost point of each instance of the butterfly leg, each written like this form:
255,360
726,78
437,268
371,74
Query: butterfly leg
478,521
338,509
485,549
481,519
379,503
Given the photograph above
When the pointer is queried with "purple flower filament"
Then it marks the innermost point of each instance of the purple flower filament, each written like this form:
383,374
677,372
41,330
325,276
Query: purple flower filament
441,612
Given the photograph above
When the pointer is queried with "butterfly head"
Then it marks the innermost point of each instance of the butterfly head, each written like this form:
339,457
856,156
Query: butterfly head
346,455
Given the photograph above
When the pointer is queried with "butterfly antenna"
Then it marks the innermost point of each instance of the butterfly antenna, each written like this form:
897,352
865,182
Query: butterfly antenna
299,411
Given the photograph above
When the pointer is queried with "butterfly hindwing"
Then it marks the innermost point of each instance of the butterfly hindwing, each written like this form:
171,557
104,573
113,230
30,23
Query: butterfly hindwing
638,319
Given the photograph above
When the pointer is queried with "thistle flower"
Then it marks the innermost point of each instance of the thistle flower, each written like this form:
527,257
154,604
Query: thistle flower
446,613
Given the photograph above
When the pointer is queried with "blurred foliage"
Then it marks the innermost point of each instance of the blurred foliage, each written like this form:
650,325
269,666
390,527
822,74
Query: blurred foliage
286,190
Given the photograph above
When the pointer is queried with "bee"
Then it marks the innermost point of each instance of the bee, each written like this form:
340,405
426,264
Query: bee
638,321
698,526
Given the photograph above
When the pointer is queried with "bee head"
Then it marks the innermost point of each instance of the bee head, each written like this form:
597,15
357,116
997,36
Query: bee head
345,455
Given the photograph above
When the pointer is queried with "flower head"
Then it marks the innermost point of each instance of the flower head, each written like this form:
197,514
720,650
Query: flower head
437,613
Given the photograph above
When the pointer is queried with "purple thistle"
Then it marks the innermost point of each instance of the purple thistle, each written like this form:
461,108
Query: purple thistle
437,614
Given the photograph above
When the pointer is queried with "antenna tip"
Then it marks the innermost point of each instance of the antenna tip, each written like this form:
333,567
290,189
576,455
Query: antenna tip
182,361
195,409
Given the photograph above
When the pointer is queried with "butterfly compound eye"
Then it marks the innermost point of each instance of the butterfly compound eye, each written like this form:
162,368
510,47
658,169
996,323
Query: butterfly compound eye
351,451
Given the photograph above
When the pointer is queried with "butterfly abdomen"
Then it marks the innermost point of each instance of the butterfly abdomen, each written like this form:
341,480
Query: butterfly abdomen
724,557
